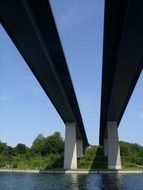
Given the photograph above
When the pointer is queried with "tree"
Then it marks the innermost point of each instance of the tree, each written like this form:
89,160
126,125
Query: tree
131,152
8,151
21,148
38,144
2,146
53,144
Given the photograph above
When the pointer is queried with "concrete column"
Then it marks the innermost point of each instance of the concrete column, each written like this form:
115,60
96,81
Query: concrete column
70,152
105,147
79,148
114,160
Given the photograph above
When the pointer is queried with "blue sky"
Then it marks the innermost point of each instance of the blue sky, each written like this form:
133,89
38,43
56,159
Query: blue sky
26,111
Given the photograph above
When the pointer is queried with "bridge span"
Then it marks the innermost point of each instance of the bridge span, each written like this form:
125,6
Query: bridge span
122,65
30,25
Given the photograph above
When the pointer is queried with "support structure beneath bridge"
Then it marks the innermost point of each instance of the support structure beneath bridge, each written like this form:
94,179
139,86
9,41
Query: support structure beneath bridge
105,146
70,153
73,147
79,148
111,146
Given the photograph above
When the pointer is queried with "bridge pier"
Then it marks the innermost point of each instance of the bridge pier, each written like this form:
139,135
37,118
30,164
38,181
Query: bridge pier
113,150
70,152
79,148
105,147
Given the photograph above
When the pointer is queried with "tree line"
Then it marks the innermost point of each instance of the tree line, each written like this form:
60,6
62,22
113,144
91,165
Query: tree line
48,152
41,145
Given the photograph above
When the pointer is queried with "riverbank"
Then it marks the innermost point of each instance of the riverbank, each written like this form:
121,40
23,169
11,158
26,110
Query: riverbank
73,171
22,158
48,156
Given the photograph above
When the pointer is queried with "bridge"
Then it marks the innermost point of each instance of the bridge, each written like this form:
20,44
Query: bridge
122,65
40,46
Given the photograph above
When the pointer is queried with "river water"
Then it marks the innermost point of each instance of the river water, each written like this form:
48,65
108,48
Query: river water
11,181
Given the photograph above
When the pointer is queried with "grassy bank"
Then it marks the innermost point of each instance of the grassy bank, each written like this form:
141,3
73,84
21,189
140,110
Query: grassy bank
47,153
33,162
131,157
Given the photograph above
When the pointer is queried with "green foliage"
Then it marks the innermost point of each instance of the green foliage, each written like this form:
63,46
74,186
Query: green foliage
2,146
7,151
47,153
54,161
53,144
21,148
93,158
38,144
131,154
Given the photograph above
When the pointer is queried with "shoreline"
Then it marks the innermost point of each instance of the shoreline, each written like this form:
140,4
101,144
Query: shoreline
72,171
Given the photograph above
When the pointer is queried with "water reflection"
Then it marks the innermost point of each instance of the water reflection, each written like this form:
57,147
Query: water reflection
95,181
85,182
112,181
70,182
74,182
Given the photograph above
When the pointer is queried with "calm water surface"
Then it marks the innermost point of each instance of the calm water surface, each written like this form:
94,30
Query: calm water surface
70,182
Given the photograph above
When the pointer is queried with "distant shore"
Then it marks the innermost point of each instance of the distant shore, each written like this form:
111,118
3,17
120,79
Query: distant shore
72,171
